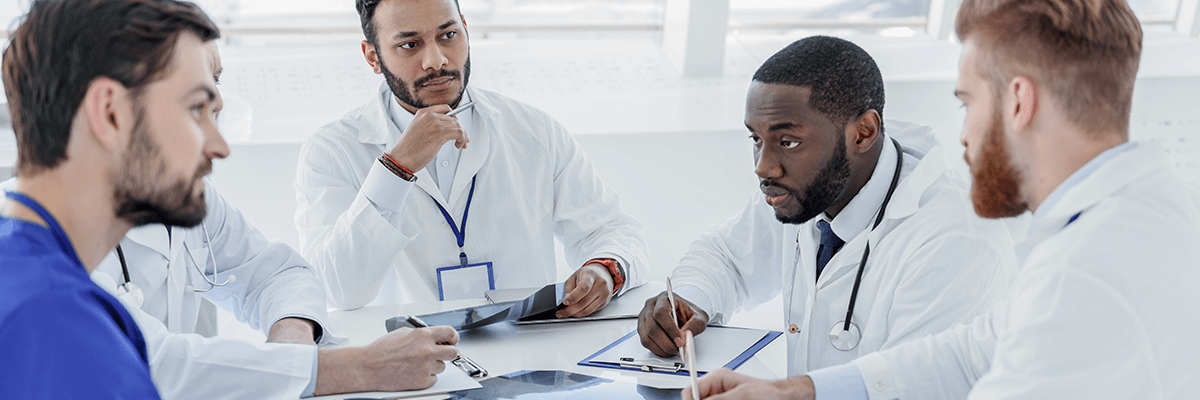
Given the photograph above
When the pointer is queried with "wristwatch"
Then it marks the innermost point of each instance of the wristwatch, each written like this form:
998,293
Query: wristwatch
614,268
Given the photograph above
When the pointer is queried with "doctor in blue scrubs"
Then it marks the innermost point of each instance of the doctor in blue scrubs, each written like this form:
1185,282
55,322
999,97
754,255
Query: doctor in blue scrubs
112,108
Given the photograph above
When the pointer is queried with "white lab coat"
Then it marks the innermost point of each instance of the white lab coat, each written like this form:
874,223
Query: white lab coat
190,366
1103,308
273,282
933,262
534,183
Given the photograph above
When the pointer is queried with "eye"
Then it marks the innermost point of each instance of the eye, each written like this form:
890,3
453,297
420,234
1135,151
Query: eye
449,35
407,45
755,139
789,144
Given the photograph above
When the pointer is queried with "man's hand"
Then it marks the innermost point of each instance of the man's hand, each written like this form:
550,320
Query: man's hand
657,324
429,130
588,290
404,359
724,384
292,330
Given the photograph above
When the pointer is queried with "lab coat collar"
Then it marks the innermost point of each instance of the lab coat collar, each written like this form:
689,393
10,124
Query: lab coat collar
1147,159
154,237
859,214
923,163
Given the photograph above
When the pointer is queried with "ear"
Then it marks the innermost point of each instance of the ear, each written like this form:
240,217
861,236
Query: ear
372,57
864,132
109,111
1021,102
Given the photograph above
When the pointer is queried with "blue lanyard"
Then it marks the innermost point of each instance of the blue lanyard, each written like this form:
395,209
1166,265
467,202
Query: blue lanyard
459,233
59,234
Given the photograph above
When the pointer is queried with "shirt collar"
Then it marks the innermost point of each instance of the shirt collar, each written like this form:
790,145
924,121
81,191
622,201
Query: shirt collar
860,212
1079,175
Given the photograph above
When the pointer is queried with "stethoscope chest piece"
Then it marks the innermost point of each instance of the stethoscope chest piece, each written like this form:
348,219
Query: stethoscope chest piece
842,339
135,293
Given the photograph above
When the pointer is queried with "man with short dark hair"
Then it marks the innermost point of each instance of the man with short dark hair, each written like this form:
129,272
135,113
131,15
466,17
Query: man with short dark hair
114,130
275,280
1104,306
848,215
394,206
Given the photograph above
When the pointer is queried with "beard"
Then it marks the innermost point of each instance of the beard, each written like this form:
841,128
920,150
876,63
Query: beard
403,91
141,197
995,189
831,181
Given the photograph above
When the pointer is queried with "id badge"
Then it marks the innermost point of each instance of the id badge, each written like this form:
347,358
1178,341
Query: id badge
457,282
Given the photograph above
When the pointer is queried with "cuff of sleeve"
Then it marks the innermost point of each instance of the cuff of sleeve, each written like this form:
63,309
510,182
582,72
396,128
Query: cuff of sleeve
877,376
839,382
621,263
697,297
385,189
318,329
312,383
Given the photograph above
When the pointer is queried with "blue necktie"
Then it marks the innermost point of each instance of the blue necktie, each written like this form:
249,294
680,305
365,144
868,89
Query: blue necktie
830,244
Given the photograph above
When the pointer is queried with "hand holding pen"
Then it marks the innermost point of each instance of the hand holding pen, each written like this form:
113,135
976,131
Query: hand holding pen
663,320
469,366
430,128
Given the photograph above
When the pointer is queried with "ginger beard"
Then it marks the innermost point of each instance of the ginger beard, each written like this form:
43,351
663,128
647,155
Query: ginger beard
995,189
140,193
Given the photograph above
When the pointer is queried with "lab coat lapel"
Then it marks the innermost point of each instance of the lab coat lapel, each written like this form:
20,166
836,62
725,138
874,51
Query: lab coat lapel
798,306
477,151
177,282
153,237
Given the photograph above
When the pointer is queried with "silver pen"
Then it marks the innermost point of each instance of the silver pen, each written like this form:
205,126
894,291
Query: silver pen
461,108
469,366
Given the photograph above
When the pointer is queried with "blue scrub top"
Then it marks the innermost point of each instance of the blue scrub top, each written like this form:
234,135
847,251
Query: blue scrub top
62,337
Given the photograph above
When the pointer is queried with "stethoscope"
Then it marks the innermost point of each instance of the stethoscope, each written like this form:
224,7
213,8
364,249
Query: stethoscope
845,334
136,293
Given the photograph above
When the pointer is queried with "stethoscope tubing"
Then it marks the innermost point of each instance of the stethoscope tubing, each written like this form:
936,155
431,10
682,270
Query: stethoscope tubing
207,240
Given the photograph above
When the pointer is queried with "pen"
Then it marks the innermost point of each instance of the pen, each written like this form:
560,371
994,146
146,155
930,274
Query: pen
461,108
690,347
674,314
469,366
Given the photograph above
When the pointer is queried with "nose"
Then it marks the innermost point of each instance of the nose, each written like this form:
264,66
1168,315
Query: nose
214,144
766,164
433,59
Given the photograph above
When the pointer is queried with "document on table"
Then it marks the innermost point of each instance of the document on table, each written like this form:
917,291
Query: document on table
450,380
717,347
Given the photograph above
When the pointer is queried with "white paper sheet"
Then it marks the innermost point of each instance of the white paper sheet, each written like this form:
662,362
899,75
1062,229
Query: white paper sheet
450,380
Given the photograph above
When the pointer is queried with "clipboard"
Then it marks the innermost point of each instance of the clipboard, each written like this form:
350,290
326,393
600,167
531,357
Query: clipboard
726,339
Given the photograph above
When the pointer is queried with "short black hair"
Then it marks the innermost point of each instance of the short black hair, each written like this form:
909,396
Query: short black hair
844,79
62,45
366,16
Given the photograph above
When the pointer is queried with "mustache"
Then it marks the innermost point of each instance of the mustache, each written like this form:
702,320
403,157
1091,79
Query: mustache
205,168
766,183
436,74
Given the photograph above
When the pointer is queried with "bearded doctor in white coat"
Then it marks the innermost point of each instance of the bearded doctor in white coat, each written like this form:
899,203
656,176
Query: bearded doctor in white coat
396,196
932,263
1105,303
263,283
